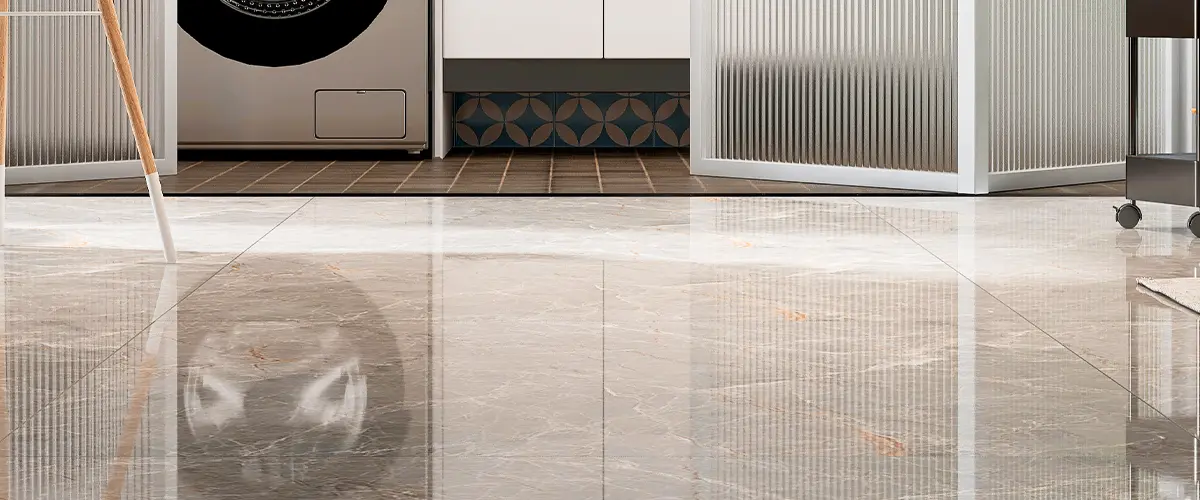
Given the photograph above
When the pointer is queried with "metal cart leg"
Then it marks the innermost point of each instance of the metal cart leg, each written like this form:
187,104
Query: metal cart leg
1129,215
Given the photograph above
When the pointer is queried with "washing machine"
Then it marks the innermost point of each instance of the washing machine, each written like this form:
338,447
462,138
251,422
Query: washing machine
304,74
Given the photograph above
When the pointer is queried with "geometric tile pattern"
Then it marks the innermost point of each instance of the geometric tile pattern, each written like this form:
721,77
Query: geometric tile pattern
484,171
572,120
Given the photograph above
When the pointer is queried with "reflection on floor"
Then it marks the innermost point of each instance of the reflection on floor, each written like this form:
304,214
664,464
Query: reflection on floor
615,348
513,172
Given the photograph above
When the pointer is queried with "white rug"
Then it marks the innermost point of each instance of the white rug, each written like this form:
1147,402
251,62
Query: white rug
1182,291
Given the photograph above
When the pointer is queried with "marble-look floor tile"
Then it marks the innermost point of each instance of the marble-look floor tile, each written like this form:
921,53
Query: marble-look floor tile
1066,267
1054,260
521,389
497,289
301,478
208,225
615,348
469,478
274,358
66,311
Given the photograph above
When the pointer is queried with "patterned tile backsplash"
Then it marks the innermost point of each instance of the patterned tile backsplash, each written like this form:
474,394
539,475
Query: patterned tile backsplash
591,120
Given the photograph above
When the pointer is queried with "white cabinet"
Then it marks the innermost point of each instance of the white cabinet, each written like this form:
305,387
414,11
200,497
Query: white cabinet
647,29
523,29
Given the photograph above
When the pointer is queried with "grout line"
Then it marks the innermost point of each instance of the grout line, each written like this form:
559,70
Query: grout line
755,186
98,184
409,176
311,177
206,181
685,161
505,174
460,171
599,178
185,169
106,181
268,174
688,166
364,174
550,181
645,171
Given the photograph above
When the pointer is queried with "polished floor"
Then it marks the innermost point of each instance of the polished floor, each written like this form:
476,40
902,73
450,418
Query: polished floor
607,348
514,172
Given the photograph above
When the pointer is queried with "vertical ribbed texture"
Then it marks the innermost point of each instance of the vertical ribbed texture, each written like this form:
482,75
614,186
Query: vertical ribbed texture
1163,374
65,392
1059,85
853,402
867,83
65,102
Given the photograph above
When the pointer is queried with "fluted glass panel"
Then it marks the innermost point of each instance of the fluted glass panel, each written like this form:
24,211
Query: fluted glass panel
864,84
65,103
1060,85
1058,79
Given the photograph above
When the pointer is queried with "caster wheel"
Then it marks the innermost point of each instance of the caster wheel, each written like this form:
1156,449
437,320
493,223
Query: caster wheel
1194,224
1129,215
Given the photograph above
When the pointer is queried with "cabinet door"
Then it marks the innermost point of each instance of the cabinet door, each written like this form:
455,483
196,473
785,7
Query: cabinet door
523,29
647,29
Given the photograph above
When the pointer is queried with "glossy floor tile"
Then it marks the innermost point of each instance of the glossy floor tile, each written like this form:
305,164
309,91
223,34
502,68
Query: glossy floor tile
575,171
602,348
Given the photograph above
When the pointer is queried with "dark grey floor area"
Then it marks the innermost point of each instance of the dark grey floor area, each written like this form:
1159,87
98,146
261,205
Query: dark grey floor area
579,172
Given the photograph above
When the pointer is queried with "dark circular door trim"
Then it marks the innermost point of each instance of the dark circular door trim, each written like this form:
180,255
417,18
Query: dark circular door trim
290,33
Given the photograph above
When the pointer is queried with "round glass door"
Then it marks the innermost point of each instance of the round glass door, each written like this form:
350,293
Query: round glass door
277,33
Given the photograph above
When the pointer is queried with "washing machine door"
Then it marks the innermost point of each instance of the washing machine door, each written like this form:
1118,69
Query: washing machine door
277,33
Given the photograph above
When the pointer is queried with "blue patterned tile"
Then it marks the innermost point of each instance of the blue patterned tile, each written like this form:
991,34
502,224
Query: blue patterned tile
604,119
504,120
672,119
628,120
601,119
578,120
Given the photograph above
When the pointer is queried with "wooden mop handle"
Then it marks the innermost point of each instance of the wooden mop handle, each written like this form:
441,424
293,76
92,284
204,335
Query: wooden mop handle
116,46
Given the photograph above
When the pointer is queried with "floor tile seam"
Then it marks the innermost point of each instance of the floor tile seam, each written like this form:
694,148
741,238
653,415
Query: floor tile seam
599,176
1098,370
150,325
408,177
311,177
364,174
458,174
504,176
210,179
645,171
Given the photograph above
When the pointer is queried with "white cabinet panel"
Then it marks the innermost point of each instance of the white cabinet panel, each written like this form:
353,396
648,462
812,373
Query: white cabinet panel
523,29
647,29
